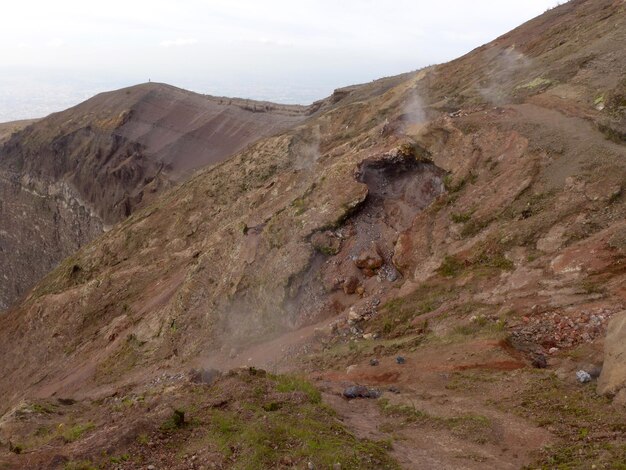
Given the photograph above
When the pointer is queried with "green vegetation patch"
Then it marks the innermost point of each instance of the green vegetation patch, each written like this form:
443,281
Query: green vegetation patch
590,430
75,432
481,324
453,185
175,421
538,82
471,427
396,315
488,258
125,358
80,465
340,354
451,266
287,383
296,429
461,217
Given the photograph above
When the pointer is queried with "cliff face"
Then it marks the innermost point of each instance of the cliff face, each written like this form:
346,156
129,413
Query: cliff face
470,216
81,170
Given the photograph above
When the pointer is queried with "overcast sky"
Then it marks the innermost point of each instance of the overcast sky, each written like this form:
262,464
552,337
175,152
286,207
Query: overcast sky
286,50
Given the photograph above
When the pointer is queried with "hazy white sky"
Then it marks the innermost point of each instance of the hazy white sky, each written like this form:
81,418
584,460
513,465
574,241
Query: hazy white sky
285,49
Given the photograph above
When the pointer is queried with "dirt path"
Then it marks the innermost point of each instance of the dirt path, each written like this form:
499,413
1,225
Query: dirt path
444,410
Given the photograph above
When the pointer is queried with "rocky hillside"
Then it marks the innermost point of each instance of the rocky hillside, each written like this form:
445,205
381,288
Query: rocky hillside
66,178
7,129
453,238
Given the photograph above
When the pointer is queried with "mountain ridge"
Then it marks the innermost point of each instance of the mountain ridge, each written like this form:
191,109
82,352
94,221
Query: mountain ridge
81,170
452,238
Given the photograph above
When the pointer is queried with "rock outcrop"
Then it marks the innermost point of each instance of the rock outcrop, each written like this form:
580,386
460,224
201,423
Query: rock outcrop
613,376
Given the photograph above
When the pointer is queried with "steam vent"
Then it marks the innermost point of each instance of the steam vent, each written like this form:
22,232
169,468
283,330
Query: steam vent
425,271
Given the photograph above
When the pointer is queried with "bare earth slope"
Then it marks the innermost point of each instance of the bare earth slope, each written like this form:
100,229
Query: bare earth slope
7,129
65,178
468,217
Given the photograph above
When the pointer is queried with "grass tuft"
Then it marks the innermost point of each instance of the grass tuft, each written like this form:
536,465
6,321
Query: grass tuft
74,433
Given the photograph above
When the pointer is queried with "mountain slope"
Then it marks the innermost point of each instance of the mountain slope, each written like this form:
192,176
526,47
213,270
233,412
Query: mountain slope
67,177
7,129
469,220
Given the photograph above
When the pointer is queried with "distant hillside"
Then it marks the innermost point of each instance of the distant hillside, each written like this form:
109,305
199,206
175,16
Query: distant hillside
63,179
8,128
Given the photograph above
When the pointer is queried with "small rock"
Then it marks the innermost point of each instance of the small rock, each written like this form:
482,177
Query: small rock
351,285
594,371
553,350
369,259
400,360
353,315
350,369
360,391
151,467
373,362
337,466
539,361
204,376
310,466
368,336
583,376
394,389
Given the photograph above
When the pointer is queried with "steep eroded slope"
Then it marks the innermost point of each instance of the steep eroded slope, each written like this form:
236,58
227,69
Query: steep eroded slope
67,177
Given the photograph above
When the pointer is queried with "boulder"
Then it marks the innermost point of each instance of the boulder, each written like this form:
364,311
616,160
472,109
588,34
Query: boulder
359,391
204,376
369,259
613,375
